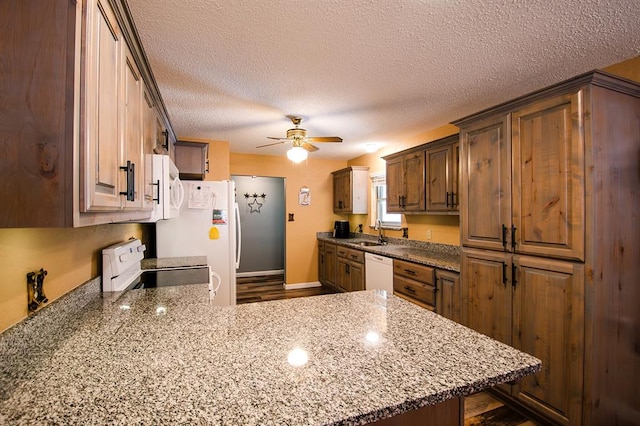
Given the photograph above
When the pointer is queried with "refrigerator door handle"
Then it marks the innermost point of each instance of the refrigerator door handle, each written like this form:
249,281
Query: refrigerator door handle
238,235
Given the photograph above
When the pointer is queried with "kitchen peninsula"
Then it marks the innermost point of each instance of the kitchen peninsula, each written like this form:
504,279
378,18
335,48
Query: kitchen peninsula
165,355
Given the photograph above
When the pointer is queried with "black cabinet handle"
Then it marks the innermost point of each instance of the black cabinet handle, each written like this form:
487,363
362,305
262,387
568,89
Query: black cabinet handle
409,289
347,269
410,271
339,204
130,171
504,273
157,185
447,196
513,237
504,237
514,271
165,145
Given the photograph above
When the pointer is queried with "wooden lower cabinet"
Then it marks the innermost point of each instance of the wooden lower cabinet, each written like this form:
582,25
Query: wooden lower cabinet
535,305
350,269
448,299
329,263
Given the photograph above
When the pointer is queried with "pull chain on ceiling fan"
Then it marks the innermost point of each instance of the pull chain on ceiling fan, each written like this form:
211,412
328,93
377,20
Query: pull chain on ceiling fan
301,142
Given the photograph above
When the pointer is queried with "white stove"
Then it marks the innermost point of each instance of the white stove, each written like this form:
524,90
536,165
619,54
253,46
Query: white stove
121,271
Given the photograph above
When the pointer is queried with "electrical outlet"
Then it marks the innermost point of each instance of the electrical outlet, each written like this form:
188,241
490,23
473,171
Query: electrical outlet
429,234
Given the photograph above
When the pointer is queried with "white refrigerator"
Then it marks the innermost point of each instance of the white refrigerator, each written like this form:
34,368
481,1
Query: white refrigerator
208,225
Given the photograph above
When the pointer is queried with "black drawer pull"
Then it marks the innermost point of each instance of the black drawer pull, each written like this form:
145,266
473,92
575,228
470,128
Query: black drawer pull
409,289
410,271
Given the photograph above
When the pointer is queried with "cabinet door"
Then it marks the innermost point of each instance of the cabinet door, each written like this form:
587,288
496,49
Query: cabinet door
549,324
448,300
485,186
321,266
548,178
342,192
455,176
330,264
102,100
149,141
343,280
131,149
356,274
192,159
395,185
37,47
487,293
414,182
439,191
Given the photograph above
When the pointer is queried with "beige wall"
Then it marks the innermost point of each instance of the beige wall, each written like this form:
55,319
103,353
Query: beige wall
69,255
301,261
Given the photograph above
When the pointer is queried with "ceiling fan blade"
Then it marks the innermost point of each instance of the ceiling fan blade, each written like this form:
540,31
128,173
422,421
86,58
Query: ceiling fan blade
278,139
324,139
309,147
275,143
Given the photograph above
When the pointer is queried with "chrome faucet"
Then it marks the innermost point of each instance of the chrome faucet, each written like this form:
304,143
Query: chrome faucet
378,227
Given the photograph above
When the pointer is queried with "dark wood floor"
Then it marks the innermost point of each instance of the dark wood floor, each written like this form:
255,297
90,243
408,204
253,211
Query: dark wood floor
271,287
480,409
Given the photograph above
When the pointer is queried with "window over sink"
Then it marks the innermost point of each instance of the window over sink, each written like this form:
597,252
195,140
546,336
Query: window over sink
379,203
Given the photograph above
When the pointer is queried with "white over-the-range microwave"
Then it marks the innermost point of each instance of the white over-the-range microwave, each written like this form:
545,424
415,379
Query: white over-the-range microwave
168,192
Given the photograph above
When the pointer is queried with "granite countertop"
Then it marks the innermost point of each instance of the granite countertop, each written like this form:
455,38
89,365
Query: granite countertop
443,256
167,356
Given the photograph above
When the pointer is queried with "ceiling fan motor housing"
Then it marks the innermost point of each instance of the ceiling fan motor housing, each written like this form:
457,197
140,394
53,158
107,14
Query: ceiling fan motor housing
296,134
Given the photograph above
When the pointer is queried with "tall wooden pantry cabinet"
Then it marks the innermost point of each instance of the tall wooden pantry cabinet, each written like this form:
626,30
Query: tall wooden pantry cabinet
550,203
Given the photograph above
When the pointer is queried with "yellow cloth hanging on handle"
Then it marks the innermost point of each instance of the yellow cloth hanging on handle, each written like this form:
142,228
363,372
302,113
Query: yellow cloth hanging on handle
214,234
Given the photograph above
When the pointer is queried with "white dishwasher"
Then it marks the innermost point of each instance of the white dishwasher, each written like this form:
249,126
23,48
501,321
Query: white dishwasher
378,272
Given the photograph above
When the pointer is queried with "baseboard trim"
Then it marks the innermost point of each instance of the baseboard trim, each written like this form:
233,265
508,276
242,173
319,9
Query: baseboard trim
259,273
302,285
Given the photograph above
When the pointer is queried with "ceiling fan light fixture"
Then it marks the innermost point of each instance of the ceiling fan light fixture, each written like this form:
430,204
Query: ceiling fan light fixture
297,154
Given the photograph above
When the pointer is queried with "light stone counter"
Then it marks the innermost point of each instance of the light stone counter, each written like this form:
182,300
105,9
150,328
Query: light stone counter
443,256
166,356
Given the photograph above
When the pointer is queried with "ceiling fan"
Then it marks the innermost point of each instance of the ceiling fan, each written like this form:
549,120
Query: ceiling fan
301,142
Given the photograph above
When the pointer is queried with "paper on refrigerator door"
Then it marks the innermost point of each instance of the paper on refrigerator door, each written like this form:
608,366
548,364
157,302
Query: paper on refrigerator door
200,197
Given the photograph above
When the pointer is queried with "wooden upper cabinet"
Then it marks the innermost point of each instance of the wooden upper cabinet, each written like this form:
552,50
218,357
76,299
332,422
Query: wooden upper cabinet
149,143
192,159
351,190
548,178
485,183
37,110
132,137
103,97
442,176
424,179
405,178
523,180
75,113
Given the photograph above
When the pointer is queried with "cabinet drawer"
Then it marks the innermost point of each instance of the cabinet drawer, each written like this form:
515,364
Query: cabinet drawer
424,274
424,293
353,255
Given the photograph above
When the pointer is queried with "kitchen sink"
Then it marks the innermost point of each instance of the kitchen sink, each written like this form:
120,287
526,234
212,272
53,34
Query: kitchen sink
370,243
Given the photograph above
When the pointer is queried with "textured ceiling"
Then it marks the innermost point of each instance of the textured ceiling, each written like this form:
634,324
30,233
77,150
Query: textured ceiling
365,70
